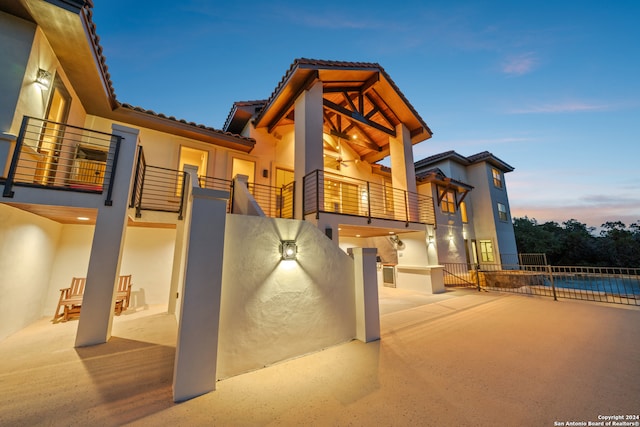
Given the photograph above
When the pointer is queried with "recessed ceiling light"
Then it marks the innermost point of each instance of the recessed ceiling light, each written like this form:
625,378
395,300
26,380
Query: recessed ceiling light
357,235
82,218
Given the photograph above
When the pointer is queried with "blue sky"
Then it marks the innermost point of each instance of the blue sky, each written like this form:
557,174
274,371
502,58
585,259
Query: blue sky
550,87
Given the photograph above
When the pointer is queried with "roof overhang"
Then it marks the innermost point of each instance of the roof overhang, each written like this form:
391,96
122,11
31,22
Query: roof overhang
71,33
361,104
148,119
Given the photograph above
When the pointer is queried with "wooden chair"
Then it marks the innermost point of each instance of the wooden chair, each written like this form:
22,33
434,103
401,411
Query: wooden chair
70,300
123,294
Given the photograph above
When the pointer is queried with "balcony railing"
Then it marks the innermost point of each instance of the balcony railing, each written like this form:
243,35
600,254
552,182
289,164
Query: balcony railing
275,202
162,190
156,188
333,193
62,157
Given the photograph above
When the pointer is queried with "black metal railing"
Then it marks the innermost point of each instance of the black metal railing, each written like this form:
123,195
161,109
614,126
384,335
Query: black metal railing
162,189
602,284
275,202
333,193
156,188
63,157
214,183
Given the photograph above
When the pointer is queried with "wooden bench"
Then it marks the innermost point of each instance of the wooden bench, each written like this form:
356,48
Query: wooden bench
71,298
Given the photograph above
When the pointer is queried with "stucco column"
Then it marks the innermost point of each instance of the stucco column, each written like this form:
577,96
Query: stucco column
366,291
308,140
94,326
180,247
403,173
197,346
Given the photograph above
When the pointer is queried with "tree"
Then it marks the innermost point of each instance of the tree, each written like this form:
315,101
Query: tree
574,243
619,245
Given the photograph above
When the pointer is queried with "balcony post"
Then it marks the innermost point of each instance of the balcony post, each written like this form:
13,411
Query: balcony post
368,202
14,160
308,136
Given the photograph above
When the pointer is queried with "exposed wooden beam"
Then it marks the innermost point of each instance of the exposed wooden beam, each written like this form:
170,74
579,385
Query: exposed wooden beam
384,116
463,194
354,115
368,84
363,143
349,101
379,155
417,131
364,132
309,81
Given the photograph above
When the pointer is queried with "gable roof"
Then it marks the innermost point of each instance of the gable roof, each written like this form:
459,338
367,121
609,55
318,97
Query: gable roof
484,156
240,114
359,98
436,175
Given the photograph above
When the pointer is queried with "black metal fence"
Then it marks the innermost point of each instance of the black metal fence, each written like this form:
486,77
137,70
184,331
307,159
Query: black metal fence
602,284
62,157
333,193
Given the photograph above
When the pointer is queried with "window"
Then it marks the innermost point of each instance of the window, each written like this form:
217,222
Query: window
463,212
341,197
448,202
50,144
244,167
497,178
502,212
194,157
486,251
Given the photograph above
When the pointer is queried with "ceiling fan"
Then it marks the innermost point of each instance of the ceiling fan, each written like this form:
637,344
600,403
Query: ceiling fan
339,159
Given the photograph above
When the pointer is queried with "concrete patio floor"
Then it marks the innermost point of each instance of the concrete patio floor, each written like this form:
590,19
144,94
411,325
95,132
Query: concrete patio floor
460,358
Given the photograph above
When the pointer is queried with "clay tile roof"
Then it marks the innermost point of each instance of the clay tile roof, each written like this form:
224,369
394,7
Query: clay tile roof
486,156
257,104
441,156
95,39
172,118
436,175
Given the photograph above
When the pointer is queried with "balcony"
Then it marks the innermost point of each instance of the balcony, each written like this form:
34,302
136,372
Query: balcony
325,192
59,156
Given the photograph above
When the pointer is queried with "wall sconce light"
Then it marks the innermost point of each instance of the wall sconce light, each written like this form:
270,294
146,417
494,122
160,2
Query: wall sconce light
431,240
451,237
43,78
288,249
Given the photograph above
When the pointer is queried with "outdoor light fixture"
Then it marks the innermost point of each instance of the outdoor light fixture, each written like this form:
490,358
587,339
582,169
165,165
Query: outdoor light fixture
43,78
288,249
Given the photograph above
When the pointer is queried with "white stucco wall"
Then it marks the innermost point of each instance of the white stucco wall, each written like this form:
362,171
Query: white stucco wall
413,252
16,38
273,310
147,256
27,253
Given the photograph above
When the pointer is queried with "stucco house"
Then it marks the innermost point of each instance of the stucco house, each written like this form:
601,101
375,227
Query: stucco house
267,239
472,208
